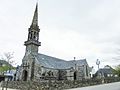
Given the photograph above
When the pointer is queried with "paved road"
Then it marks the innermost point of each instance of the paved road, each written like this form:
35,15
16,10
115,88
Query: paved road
111,86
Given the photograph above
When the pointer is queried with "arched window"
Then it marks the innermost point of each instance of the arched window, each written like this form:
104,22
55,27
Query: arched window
86,70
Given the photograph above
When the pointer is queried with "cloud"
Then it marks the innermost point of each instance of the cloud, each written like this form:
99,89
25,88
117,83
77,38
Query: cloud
69,28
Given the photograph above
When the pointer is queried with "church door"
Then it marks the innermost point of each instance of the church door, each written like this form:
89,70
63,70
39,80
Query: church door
75,75
25,74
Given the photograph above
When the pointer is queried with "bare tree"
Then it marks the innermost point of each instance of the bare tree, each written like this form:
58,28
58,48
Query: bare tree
9,58
117,70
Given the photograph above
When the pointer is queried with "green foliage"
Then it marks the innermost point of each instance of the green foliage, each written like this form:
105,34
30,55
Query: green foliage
6,68
6,62
117,70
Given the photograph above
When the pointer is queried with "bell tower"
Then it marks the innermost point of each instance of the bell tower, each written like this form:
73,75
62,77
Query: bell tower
32,42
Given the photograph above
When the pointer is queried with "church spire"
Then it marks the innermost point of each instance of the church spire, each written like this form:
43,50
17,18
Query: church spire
32,42
35,17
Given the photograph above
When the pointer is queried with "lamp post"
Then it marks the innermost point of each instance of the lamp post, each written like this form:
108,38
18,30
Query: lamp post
75,72
75,63
98,63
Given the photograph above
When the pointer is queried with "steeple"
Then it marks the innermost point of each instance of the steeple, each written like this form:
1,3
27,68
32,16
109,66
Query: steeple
35,17
32,42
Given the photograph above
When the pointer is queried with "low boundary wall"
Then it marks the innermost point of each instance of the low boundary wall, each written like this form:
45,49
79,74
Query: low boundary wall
55,85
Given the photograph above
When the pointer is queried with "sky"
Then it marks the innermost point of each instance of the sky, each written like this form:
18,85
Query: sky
87,29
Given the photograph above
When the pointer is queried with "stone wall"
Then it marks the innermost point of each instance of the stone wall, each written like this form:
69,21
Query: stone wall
55,85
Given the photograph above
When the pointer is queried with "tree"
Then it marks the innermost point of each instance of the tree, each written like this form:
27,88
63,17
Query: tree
8,58
117,70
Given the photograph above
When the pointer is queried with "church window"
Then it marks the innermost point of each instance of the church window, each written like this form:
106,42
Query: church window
39,70
37,36
86,71
31,35
50,73
44,73
34,35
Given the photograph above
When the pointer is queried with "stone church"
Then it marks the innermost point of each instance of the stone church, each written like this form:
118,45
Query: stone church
37,66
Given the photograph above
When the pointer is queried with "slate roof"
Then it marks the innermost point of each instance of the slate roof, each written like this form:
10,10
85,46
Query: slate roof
53,62
105,71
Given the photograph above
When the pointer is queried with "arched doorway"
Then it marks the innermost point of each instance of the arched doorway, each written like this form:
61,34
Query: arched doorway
75,75
25,74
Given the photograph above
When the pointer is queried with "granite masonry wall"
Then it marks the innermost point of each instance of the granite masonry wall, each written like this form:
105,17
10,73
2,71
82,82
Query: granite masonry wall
54,85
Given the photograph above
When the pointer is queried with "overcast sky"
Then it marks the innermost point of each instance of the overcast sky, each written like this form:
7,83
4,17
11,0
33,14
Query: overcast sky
69,28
